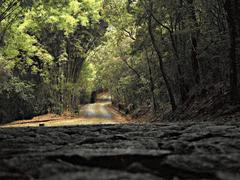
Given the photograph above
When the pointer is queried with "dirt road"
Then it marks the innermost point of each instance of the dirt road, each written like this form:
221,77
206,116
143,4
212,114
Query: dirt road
97,110
100,112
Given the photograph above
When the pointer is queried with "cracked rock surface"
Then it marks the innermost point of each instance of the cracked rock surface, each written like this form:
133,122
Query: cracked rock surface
179,151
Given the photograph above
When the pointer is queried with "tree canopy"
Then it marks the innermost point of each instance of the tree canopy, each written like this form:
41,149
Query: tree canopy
154,54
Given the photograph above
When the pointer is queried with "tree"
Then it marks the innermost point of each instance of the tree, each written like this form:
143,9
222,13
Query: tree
45,48
161,66
232,8
194,41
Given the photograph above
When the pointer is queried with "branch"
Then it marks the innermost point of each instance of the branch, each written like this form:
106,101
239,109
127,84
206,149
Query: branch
128,65
129,34
9,8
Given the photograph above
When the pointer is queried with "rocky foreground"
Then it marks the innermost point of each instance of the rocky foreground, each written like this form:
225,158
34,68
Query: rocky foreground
178,151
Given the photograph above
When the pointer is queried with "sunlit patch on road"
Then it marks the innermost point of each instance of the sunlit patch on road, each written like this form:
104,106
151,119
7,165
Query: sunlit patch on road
97,110
97,113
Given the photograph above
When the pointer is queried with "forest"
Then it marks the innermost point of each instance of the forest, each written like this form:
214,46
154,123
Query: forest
167,56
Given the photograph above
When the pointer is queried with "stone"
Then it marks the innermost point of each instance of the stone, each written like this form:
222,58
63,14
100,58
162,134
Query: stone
179,151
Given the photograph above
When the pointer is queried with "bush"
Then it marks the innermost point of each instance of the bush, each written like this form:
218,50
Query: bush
16,99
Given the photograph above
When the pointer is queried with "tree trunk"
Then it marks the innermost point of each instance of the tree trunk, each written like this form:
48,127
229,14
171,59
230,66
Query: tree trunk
151,83
160,61
194,44
232,8
179,75
180,78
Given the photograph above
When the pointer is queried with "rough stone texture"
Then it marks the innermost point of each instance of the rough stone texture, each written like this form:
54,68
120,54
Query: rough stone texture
179,151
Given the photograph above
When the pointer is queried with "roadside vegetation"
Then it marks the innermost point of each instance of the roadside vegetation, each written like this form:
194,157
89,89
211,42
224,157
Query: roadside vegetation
152,56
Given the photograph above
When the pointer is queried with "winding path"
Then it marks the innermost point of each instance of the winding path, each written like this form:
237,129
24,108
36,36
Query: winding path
97,113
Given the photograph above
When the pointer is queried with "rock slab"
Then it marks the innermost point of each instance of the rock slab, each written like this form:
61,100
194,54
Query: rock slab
171,151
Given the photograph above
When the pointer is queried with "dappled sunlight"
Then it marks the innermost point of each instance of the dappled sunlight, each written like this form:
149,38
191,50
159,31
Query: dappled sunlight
97,110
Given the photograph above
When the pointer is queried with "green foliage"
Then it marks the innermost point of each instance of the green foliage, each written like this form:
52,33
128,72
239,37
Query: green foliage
54,53
43,46
189,41
13,93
